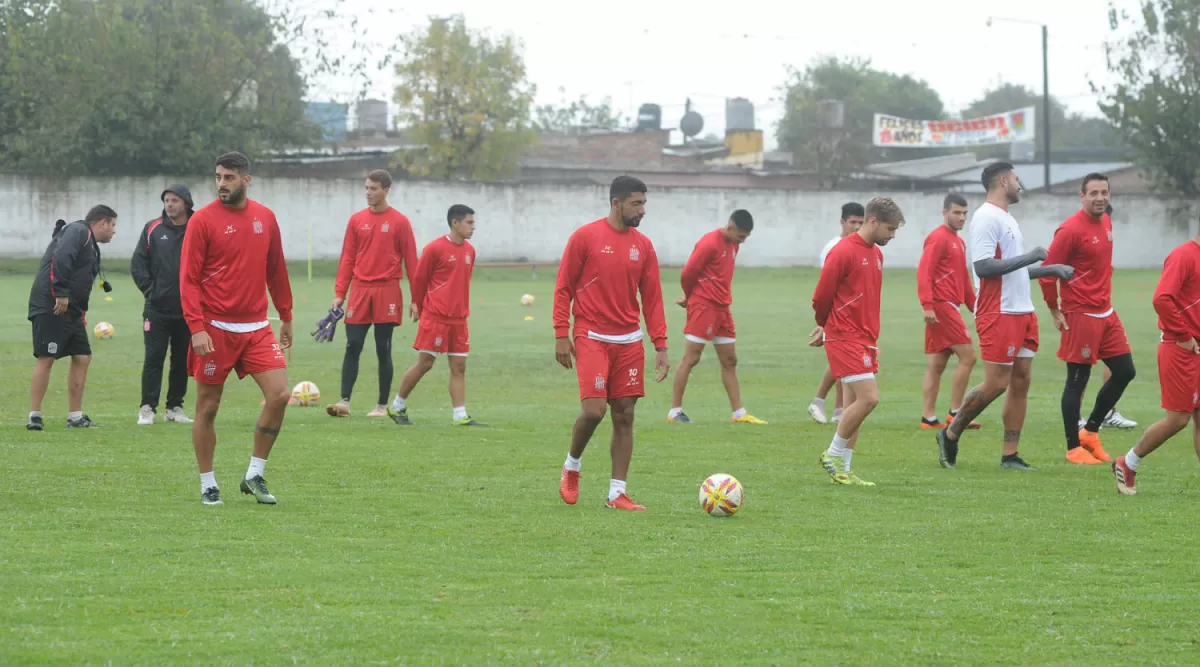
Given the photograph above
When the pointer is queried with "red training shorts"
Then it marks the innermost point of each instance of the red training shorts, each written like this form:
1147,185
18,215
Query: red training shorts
379,303
847,359
1179,377
1003,336
709,324
1088,339
949,331
609,370
247,353
436,337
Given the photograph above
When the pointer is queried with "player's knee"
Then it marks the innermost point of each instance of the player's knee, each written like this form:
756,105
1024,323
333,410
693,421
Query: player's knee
81,361
622,417
728,361
278,397
1177,421
966,356
354,347
457,368
593,413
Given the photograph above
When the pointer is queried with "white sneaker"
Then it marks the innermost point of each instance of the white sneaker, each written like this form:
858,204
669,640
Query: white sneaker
1082,423
1117,420
146,416
176,415
817,413
837,416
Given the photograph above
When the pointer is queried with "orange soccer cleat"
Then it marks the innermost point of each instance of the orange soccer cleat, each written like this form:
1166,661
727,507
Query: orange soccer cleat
1091,442
568,486
624,502
1081,456
973,425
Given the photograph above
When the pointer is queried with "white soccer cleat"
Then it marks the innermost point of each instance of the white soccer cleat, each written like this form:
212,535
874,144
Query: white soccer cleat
837,416
146,416
817,413
1117,420
176,415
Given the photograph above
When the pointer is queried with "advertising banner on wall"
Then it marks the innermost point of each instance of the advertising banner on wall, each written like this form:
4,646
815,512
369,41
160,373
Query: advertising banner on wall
1001,128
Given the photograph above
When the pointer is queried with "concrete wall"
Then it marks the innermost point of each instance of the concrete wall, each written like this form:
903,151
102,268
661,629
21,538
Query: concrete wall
532,222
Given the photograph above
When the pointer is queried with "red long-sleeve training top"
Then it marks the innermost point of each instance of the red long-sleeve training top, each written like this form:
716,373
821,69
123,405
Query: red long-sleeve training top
846,301
1085,243
441,285
708,274
374,248
1177,297
942,274
601,274
231,259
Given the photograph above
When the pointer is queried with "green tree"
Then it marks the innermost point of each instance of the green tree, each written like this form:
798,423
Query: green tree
1155,62
465,97
578,113
1068,131
150,86
864,92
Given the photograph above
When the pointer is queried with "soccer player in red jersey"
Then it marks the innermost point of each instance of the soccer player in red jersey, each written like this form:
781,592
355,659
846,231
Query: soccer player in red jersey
852,219
605,266
1090,327
441,292
1175,301
232,256
944,284
707,281
1004,316
846,303
378,246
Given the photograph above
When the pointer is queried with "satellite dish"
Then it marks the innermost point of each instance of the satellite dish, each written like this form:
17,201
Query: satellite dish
691,124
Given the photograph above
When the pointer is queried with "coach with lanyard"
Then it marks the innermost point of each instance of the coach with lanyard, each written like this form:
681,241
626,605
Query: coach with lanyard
58,303
155,270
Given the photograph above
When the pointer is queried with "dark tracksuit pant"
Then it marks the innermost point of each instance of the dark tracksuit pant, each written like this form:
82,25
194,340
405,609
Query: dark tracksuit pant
161,334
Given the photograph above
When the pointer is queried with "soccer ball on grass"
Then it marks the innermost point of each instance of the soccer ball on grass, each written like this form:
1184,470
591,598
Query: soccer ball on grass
527,300
103,330
721,495
306,394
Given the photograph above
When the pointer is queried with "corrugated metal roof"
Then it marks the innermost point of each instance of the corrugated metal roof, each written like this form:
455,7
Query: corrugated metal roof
1033,175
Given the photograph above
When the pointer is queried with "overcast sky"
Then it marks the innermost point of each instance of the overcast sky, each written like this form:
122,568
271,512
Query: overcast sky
664,52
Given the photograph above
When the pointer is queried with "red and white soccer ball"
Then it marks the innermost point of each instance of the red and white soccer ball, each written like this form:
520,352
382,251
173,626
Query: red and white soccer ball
103,330
721,495
306,394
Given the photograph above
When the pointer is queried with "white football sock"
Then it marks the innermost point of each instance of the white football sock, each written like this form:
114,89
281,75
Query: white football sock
573,464
256,467
739,413
398,403
615,488
1132,460
460,412
846,456
674,412
838,446
208,480
820,403
73,416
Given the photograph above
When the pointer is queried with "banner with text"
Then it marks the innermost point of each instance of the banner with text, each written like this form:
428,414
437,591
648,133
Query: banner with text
1001,128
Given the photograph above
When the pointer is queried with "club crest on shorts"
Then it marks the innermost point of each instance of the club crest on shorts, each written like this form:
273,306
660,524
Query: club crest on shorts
599,381
391,309
210,369
146,325
1012,350
1195,398
866,361
52,348
709,331
257,226
634,255
437,342
1086,353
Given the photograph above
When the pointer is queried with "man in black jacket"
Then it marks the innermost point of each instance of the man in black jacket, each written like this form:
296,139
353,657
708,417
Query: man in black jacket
58,303
155,270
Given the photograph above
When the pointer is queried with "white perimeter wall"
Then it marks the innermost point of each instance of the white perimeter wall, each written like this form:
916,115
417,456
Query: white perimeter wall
532,222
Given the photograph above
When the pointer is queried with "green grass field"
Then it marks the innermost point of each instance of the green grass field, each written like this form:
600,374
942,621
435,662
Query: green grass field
441,545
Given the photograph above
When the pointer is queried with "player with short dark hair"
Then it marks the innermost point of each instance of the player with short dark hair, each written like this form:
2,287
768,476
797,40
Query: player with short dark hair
377,249
58,304
441,292
707,282
851,221
943,285
1004,316
1091,329
155,271
232,257
606,265
1177,293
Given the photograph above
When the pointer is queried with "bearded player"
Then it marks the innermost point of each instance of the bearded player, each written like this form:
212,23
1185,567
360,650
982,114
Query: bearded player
1090,327
232,256
846,303
707,282
606,265
852,219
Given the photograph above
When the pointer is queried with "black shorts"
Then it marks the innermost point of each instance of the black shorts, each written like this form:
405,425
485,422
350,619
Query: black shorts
60,336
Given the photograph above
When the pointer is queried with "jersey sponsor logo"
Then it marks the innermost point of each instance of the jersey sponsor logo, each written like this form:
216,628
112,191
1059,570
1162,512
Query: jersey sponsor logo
257,226
366,227
1095,239
229,229
607,250
163,237
599,381
210,369
384,228
452,258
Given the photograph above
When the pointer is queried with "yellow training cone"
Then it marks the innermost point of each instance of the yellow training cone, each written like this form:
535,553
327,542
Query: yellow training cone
529,318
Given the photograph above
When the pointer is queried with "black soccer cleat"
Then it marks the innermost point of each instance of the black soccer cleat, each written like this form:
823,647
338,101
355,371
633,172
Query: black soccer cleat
257,487
400,417
1015,462
82,422
34,424
947,450
211,496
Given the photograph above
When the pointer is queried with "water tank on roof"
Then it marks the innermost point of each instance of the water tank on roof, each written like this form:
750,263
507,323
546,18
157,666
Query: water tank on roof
739,114
649,118
372,116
